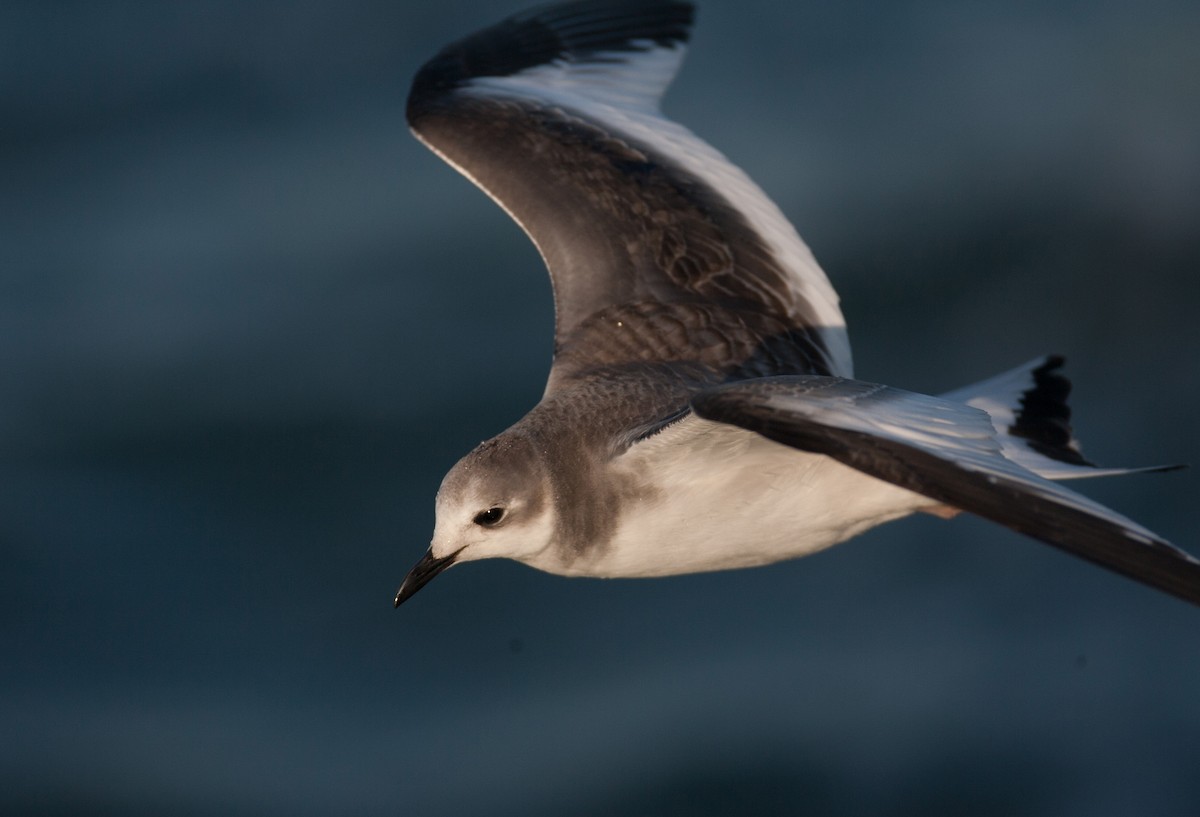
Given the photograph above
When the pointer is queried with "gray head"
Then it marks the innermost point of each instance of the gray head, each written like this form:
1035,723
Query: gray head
494,503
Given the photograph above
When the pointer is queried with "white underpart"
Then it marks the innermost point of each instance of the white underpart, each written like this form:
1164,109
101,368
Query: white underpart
621,94
729,498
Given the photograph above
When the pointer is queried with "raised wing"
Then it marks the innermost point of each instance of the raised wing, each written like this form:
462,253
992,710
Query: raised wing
554,113
949,452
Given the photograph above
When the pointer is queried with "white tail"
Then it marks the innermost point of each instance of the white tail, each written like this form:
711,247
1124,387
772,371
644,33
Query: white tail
1028,407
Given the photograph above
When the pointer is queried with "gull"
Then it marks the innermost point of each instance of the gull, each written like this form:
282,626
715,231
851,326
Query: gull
701,411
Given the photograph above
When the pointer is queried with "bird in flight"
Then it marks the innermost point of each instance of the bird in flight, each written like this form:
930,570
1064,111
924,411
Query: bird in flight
701,412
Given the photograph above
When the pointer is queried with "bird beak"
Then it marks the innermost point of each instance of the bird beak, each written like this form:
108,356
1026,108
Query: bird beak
421,574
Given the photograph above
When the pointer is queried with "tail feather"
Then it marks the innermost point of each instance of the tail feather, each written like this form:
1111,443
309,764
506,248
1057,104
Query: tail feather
1028,406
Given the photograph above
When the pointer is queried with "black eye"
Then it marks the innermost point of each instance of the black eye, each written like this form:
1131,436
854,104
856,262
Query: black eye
489,517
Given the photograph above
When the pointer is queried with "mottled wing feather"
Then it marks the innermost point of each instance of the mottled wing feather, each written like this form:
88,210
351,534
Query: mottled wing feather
555,115
948,452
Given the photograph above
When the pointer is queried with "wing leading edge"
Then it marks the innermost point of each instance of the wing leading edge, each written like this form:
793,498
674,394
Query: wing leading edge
554,114
949,452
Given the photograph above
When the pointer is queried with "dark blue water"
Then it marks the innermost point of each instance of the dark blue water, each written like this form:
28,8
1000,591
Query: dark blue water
247,322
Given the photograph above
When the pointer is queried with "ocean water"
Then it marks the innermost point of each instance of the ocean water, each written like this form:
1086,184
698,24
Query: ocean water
247,322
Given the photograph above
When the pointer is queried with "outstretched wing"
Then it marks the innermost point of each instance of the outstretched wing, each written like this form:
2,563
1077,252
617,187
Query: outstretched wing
949,452
554,113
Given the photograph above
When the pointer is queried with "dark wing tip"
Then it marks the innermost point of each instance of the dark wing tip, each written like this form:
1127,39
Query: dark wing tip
547,33
996,490
1044,416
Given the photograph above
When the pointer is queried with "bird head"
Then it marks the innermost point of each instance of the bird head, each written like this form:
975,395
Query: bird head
495,503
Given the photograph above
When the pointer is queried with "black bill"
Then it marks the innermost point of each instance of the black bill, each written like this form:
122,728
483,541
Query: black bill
422,573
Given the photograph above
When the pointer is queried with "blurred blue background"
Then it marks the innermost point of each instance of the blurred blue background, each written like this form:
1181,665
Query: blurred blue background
247,322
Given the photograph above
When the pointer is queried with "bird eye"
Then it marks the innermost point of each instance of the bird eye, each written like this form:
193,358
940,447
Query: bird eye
489,517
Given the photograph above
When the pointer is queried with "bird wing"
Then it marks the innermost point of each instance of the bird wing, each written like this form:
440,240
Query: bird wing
949,452
554,114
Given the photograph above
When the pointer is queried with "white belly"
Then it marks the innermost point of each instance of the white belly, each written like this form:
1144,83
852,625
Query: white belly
730,498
